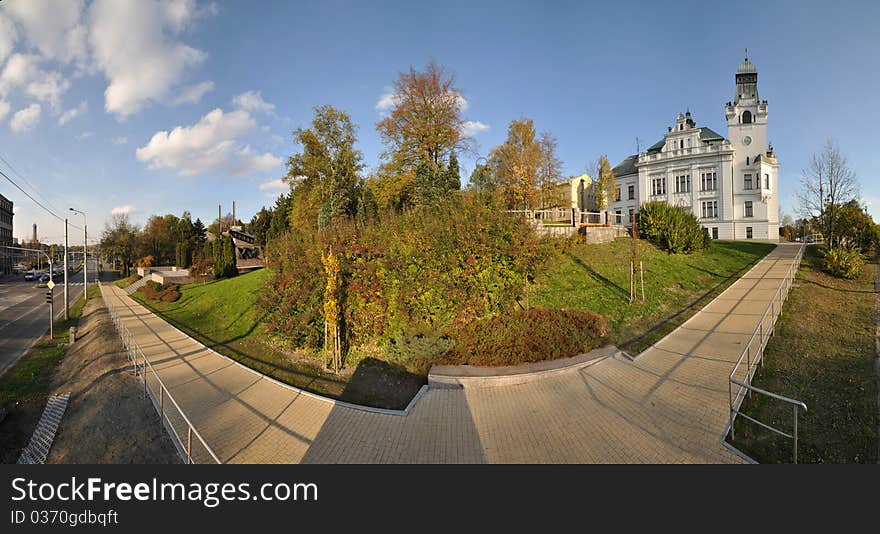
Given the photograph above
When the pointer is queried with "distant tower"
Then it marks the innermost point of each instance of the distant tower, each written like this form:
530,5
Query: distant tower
755,167
35,233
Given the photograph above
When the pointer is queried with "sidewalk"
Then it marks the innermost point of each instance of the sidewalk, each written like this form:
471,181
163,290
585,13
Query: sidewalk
669,405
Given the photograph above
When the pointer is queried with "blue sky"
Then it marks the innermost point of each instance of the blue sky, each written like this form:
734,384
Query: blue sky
91,92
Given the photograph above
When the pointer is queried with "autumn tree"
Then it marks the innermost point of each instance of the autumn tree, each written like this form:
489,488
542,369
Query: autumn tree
423,124
606,188
549,171
826,185
119,242
516,162
324,177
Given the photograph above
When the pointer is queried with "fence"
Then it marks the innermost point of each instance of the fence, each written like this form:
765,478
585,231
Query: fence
192,449
570,216
753,355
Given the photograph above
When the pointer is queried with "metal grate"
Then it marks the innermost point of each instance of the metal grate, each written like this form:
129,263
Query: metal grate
38,448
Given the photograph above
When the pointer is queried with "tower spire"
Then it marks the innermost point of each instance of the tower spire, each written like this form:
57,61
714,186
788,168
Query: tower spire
747,53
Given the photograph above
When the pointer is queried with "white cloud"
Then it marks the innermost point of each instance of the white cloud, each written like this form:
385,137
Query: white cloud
274,185
204,146
192,94
84,135
121,140
8,37
250,162
180,13
54,28
134,47
472,128
252,101
387,101
123,210
23,70
4,109
73,113
25,119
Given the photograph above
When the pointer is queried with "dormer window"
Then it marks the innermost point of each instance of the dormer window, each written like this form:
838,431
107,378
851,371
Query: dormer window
747,117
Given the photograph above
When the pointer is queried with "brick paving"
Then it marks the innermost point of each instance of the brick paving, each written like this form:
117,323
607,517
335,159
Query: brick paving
670,405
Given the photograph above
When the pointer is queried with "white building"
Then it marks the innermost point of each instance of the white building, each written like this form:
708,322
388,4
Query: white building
730,184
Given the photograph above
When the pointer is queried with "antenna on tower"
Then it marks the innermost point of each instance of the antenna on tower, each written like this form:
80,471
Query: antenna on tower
638,145
747,53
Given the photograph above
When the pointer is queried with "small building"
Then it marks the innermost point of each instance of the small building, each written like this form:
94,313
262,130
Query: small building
578,192
6,239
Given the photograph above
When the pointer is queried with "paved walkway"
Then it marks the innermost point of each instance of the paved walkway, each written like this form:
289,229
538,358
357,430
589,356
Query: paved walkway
669,405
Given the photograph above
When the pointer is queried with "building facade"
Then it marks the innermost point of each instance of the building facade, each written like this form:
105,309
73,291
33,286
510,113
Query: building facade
6,255
730,184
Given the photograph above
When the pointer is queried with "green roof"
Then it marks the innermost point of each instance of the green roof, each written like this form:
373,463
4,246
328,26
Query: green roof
707,134
746,67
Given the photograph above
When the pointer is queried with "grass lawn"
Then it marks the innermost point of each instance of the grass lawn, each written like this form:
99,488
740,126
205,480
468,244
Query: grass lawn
596,277
125,282
224,316
24,388
822,353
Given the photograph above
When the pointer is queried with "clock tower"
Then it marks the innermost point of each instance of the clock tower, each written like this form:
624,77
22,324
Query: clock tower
747,115
755,168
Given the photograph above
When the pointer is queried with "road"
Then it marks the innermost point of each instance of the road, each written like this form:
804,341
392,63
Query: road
24,314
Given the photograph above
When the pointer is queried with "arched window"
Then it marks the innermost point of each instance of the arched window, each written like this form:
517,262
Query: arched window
747,117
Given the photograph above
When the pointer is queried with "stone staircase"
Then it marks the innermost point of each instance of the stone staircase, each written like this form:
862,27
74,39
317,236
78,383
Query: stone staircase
137,285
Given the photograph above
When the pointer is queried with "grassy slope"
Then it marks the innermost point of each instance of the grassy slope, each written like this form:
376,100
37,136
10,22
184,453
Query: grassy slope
596,277
823,354
224,316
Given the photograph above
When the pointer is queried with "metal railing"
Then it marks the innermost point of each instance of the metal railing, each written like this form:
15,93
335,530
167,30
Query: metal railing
571,216
753,356
173,419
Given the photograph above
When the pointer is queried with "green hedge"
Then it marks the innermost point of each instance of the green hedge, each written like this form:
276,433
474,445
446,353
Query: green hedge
672,228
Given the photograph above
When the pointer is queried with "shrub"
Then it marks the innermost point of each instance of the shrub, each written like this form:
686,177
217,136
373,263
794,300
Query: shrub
844,262
416,271
672,228
418,348
156,291
531,335
146,261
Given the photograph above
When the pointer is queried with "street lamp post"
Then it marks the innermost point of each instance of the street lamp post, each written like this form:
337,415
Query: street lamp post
66,290
85,254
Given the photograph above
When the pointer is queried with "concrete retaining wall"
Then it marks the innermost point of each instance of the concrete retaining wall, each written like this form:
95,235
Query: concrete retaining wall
468,376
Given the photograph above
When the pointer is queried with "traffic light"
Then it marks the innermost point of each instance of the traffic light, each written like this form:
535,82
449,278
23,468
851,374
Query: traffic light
48,297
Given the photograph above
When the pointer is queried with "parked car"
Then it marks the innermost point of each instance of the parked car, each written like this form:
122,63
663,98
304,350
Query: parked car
30,276
45,278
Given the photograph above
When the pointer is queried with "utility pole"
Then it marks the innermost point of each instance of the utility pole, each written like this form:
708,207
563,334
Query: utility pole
219,220
66,289
85,255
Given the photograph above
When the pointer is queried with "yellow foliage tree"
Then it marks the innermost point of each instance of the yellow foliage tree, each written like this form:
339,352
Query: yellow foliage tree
332,334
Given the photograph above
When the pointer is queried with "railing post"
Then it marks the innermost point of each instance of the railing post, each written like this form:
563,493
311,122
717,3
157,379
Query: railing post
189,434
161,401
749,367
795,433
730,402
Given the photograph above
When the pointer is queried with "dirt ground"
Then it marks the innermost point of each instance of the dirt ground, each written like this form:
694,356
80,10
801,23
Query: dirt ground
107,419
